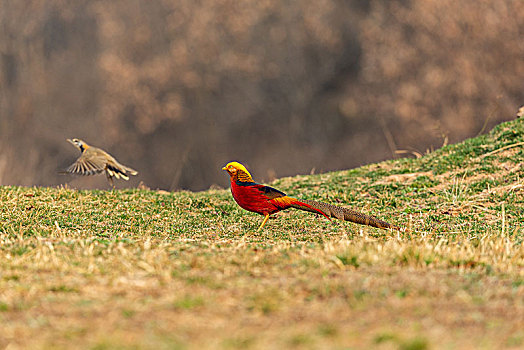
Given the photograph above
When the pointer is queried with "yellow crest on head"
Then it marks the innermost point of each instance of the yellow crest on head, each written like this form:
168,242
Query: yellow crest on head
235,168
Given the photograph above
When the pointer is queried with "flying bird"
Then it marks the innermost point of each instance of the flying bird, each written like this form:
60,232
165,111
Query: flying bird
267,200
94,160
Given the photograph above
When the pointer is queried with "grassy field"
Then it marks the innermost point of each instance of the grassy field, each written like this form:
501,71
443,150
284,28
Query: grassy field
142,269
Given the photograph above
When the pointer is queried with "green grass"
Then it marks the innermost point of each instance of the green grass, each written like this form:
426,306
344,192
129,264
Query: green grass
141,269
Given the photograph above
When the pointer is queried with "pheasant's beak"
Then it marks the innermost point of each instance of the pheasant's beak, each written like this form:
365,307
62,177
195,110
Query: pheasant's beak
228,170
70,141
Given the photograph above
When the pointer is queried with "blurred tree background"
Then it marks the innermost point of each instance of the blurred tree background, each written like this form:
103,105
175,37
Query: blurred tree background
176,88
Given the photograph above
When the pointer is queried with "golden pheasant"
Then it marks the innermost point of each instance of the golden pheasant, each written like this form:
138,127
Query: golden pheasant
94,160
267,200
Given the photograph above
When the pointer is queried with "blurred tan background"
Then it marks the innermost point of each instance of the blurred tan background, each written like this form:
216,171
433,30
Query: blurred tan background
176,88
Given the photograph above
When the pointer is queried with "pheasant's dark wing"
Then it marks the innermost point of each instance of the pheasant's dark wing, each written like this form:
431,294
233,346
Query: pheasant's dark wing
266,191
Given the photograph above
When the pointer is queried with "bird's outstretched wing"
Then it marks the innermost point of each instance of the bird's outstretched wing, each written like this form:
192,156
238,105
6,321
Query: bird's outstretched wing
84,166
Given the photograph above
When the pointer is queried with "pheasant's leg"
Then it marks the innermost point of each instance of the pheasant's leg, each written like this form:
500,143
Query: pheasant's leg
263,222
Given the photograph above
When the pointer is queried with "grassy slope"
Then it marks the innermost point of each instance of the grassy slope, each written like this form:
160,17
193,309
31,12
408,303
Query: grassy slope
146,269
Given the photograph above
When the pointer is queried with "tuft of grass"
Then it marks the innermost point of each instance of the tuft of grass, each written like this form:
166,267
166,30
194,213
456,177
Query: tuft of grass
3,306
349,260
414,344
328,330
189,302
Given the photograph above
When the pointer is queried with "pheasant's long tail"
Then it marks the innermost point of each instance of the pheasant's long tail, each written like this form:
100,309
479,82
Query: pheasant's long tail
329,210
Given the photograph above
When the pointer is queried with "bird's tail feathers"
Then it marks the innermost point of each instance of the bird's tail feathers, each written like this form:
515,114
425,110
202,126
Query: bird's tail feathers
120,171
329,210
307,206
130,170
